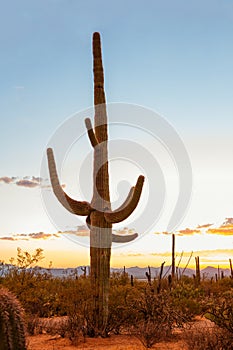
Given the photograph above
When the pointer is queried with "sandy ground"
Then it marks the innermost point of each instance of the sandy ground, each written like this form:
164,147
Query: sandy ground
114,342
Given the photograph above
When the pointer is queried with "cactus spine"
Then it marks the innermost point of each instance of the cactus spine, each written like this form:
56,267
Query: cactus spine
100,217
12,327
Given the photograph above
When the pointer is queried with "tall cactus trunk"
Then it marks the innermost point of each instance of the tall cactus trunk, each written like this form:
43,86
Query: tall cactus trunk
100,229
100,217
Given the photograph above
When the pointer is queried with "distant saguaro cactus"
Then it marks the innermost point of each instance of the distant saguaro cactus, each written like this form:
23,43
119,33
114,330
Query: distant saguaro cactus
198,273
173,257
12,327
100,217
148,275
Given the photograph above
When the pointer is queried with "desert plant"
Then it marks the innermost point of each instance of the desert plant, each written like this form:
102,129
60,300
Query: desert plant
221,312
155,317
207,338
198,274
173,257
100,217
12,327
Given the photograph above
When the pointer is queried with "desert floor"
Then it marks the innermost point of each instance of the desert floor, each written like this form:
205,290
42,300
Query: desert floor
114,342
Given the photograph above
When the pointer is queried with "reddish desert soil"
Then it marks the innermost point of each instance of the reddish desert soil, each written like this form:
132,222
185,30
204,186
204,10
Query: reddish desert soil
114,342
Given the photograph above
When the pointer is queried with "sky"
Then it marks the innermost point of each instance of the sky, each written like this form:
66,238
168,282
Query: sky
172,57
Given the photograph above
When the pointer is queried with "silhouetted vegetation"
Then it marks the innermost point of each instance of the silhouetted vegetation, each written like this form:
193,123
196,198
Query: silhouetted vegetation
150,313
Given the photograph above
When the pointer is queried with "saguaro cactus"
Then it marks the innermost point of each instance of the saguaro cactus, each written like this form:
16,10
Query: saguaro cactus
12,328
100,217
198,273
173,257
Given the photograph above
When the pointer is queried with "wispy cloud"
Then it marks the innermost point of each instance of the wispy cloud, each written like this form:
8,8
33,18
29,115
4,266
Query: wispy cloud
6,179
227,222
80,231
31,236
188,232
7,239
84,233
27,181
225,231
204,226
135,254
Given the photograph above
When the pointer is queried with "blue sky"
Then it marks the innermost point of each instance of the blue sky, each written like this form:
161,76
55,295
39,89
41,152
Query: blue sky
172,56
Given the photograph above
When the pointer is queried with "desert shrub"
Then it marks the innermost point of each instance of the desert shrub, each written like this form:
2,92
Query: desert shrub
121,313
76,328
155,317
221,311
32,324
188,298
208,338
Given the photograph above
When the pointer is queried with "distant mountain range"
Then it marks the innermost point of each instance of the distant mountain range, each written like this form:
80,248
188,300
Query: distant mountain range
140,272
137,272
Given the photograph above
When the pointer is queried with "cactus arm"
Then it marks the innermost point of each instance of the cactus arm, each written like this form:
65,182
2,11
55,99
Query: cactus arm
128,199
91,133
123,239
75,207
124,211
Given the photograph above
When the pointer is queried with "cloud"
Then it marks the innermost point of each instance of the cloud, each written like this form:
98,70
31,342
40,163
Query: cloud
42,235
188,231
204,226
225,231
27,183
6,179
7,239
135,254
31,236
37,179
80,231
227,222
163,233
